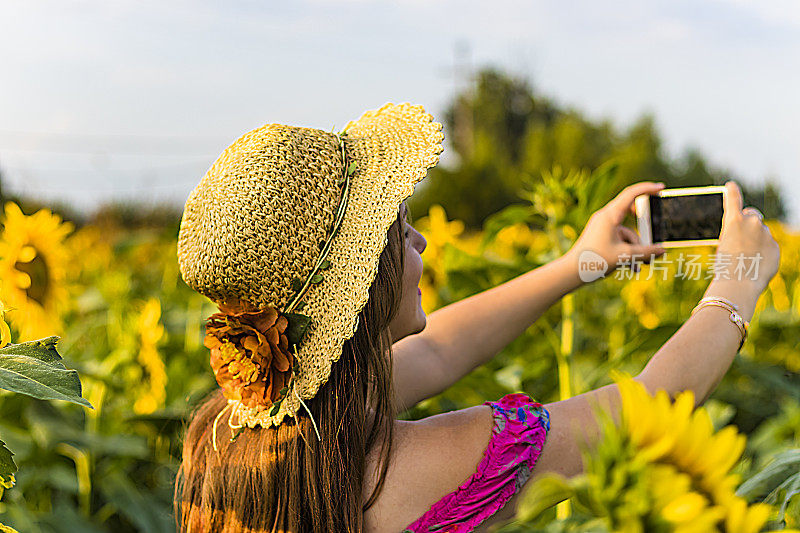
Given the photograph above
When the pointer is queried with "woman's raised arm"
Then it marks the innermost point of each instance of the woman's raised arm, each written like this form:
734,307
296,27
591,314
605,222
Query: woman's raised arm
695,358
466,334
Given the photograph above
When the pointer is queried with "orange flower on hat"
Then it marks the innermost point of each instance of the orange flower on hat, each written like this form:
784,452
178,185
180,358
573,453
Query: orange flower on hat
250,353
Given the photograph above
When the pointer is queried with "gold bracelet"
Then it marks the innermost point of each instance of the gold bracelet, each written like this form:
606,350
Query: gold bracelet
735,317
725,304
720,299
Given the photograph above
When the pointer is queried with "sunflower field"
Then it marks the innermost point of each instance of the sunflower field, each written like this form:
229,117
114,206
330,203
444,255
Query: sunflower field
133,331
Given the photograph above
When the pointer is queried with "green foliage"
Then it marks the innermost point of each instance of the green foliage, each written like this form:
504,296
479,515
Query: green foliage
778,483
111,468
36,369
7,467
545,492
142,509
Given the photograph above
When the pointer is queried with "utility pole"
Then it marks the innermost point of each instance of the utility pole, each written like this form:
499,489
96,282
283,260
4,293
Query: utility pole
464,92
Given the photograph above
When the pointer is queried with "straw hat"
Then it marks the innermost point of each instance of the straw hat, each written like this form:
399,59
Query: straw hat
256,220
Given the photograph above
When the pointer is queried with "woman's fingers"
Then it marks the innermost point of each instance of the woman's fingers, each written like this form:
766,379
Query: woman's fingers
628,235
638,252
646,252
623,202
631,237
753,211
733,199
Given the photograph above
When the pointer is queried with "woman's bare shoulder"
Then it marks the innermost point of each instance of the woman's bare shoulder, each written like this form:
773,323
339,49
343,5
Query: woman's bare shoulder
430,458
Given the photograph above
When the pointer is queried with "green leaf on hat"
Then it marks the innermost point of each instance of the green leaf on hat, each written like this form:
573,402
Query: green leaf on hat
236,435
275,408
298,324
297,284
325,265
316,278
351,168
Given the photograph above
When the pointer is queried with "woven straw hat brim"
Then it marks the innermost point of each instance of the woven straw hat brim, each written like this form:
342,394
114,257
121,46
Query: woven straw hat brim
392,148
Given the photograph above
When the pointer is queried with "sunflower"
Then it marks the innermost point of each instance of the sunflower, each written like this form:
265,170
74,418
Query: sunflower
663,469
430,297
789,242
519,241
779,294
641,298
90,253
694,489
439,232
5,331
150,331
32,270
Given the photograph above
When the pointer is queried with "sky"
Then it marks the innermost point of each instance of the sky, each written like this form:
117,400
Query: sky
127,99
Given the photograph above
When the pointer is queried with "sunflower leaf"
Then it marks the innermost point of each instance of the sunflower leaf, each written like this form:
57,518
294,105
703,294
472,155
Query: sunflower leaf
43,350
316,278
36,369
298,324
762,484
140,508
351,168
7,467
325,265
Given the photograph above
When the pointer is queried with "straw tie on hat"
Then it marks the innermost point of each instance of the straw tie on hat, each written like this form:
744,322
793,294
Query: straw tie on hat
255,224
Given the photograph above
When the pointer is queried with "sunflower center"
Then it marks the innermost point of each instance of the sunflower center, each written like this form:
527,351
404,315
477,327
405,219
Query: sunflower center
38,271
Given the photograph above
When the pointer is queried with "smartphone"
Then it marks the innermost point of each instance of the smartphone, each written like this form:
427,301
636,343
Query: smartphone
690,216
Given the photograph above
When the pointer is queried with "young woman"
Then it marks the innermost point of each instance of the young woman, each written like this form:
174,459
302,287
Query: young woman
301,238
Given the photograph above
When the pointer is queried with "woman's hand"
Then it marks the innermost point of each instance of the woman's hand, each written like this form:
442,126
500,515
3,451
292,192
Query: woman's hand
606,237
745,235
747,240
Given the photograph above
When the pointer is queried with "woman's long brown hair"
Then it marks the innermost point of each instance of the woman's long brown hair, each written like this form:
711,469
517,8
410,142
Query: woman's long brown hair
277,480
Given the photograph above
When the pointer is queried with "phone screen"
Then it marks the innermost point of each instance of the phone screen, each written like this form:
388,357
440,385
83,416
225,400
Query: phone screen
686,218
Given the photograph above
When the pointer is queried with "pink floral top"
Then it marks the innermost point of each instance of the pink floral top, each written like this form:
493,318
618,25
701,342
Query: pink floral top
520,429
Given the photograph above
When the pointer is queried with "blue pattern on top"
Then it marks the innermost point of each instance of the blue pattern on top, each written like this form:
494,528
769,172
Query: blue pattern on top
521,414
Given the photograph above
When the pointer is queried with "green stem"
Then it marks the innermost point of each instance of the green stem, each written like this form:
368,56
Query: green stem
194,323
324,254
564,354
83,473
616,341
567,348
